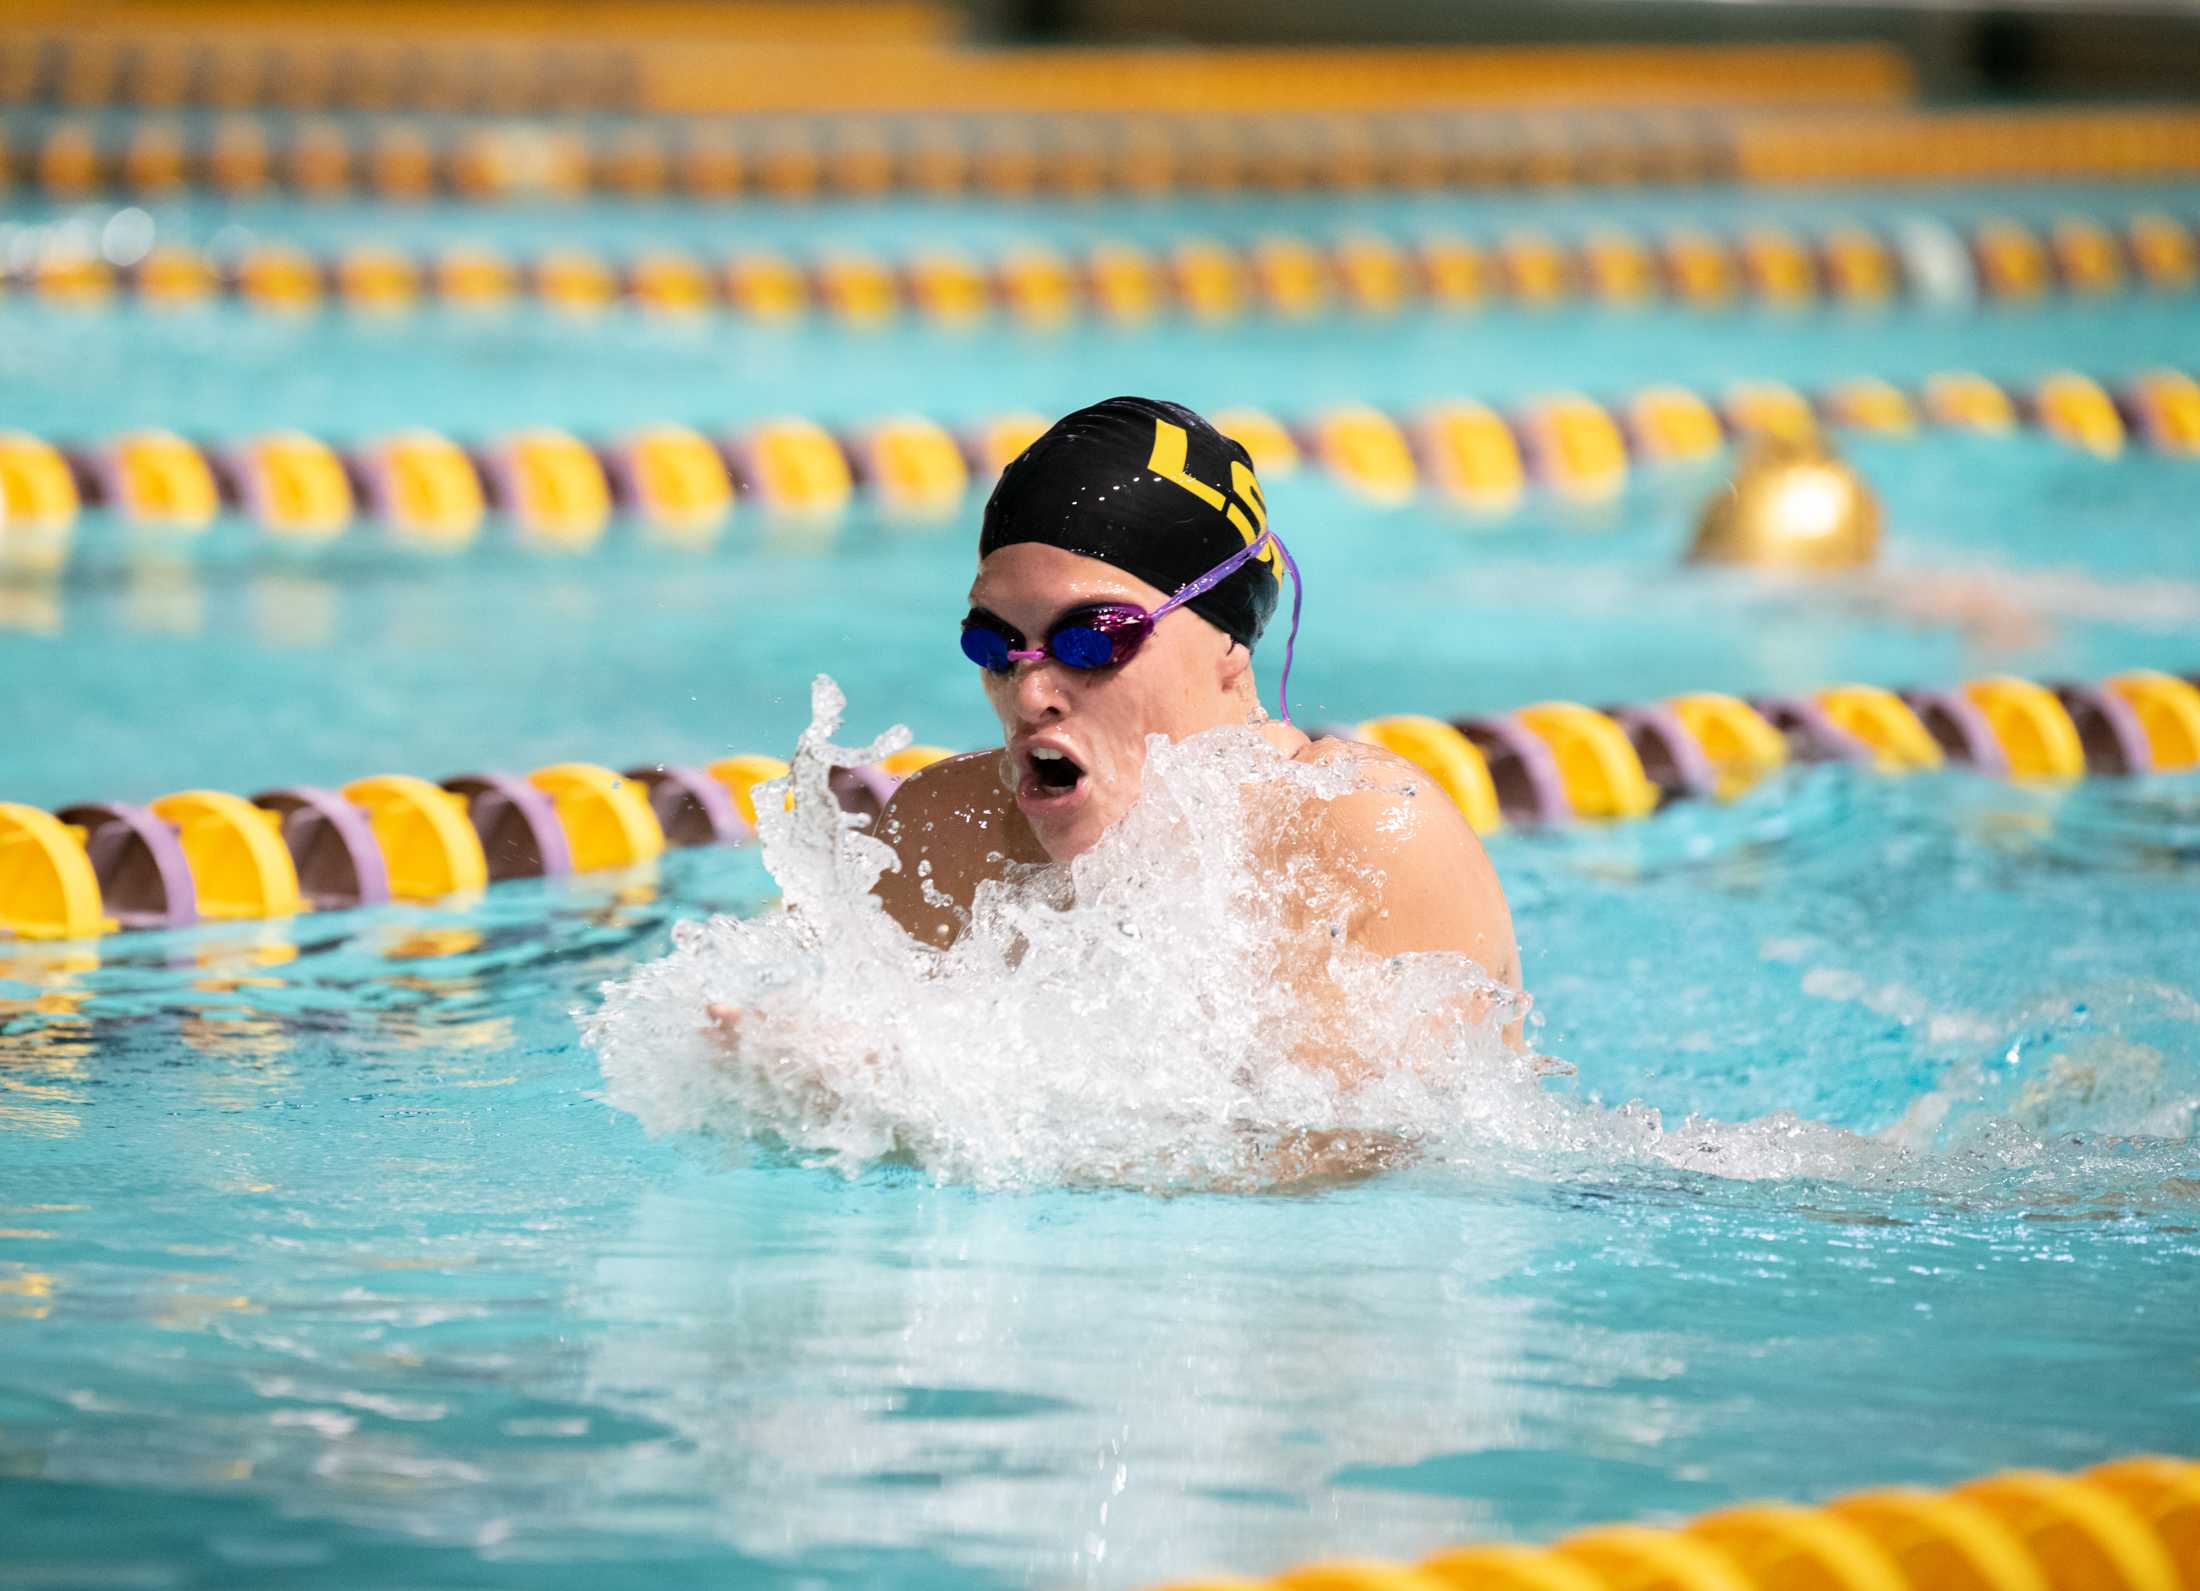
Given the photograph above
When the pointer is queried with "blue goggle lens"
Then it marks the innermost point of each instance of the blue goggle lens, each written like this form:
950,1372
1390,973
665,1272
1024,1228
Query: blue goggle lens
1080,647
986,648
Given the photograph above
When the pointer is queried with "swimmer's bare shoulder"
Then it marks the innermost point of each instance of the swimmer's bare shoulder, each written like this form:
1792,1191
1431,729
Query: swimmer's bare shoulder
951,826
1433,885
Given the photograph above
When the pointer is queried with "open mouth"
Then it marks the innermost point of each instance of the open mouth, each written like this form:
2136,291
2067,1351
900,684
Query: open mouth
1051,774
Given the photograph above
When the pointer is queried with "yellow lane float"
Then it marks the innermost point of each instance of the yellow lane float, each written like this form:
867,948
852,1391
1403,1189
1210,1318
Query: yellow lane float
2168,710
1672,425
1536,270
1372,274
320,160
2088,256
787,164
1883,721
2074,409
1039,286
937,161
634,162
427,839
667,282
2168,405
1940,1541
1778,266
69,162
1775,1543
425,487
676,478
575,282
795,467
911,759
860,161
2032,728
2162,250
553,486
239,864
74,279
1700,269
237,159
1209,279
401,164
996,441
47,887
1620,269
1497,1566
1275,453
157,478
915,468
2080,1533
1869,404
1455,273
1859,268
1770,409
1126,282
1597,763
1473,455
1293,277
38,493
1577,447
294,485
606,816
377,280
949,289
1364,449
1445,755
766,287
709,164
1554,760
858,288
2165,1494
741,775
152,160
1740,744
1967,402
475,279
280,278
2011,262
2123,1526
173,276
1637,1555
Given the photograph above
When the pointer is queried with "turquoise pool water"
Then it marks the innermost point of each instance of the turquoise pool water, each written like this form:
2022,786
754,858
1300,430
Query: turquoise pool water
322,1262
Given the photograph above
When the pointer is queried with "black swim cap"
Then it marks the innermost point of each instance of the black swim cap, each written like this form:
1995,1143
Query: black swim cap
1153,489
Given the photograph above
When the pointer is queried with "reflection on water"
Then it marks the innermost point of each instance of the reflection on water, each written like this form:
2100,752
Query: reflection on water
824,1366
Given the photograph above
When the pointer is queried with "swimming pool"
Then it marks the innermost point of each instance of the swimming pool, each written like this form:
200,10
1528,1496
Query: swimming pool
323,1262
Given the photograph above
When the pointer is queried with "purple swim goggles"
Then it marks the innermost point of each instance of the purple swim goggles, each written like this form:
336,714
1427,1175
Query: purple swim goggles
1108,634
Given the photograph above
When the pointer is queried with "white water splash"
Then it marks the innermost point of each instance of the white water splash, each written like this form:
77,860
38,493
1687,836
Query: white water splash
1124,1021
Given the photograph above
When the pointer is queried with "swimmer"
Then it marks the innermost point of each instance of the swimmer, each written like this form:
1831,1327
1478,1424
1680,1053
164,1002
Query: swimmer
1125,572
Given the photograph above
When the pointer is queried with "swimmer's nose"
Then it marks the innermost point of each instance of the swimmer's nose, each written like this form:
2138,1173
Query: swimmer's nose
1038,690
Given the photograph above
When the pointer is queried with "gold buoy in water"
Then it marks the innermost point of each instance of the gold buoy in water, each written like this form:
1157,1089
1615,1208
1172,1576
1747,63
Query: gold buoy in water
1792,505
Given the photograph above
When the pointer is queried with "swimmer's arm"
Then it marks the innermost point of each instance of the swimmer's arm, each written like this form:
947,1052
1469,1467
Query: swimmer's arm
951,826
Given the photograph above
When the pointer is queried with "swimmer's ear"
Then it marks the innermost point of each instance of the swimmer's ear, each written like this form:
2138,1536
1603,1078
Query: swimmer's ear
1231,667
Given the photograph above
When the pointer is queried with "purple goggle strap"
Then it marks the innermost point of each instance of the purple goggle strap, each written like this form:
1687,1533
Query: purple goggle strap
1214,577
1230,566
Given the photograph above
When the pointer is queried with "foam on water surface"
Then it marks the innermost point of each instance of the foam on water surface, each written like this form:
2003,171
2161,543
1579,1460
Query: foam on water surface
1131,1020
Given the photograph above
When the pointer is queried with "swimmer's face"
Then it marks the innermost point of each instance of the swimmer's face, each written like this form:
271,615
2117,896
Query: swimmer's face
1188,676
